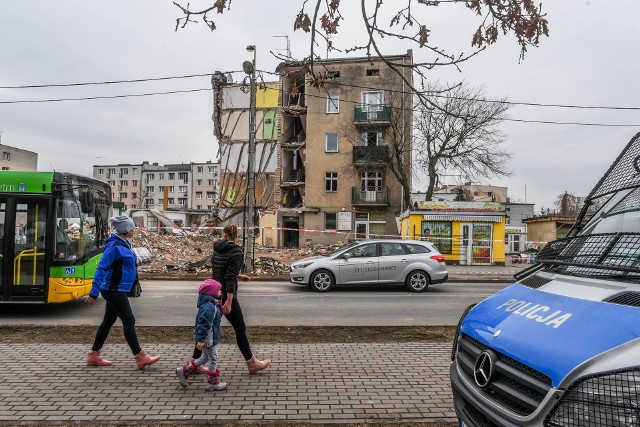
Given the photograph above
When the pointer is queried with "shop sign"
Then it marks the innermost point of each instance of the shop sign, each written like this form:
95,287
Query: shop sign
460,206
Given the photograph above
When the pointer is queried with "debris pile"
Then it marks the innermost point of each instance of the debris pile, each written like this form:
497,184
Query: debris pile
269,266
170,252
191,253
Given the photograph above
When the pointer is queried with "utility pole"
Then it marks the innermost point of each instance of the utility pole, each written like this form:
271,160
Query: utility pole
250,69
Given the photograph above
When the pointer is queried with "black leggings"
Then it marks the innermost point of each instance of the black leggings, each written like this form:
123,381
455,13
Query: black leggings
237,321
117,305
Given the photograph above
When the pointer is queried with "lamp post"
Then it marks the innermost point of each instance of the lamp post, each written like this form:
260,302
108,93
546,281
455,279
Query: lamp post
250,69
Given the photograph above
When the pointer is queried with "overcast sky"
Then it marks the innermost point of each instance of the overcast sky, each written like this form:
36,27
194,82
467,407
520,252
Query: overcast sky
590,59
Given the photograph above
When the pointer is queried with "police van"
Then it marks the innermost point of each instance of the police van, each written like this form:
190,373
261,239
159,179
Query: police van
561,346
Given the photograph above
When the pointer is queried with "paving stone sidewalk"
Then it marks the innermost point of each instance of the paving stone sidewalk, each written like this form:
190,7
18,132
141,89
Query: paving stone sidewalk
307,382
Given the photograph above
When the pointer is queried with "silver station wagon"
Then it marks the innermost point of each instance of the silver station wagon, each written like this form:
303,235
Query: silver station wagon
412,263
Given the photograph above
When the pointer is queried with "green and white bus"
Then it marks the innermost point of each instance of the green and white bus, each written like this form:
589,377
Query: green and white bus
53,229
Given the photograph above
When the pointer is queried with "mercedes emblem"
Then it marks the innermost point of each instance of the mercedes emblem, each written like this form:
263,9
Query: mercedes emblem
483,369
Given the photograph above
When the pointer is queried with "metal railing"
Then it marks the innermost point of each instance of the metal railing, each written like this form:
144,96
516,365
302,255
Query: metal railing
369,197
371,154
372,113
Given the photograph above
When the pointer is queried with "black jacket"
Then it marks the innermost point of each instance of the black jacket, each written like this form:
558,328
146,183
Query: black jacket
226,263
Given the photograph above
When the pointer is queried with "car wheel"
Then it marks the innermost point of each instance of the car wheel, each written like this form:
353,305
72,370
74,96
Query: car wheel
322,281
417,281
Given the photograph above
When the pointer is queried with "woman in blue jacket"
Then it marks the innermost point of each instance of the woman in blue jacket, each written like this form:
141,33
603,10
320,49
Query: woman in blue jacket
114,278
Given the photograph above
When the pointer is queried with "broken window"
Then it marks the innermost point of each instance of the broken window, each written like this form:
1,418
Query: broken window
371,139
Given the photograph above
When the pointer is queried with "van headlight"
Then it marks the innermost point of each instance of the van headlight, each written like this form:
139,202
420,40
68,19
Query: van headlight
301,265
457,335
609,399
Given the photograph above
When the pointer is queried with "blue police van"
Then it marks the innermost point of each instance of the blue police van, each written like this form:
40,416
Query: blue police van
561,346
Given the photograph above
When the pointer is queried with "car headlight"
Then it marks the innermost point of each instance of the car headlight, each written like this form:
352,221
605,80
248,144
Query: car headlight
609,399
301,265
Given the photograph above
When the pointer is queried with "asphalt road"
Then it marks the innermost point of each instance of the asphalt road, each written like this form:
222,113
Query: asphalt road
171,303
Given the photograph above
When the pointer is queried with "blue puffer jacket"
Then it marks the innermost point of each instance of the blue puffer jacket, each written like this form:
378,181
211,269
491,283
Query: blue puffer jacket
208,320
117,269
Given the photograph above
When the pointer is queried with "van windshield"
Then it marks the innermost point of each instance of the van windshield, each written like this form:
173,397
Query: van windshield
621,214
607,246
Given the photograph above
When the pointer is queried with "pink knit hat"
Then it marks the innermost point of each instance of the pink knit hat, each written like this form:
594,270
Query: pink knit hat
210,287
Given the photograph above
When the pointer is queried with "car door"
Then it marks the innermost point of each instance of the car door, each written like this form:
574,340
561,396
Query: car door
393,263
359,264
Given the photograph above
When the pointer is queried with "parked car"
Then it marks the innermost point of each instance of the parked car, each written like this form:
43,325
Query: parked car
412,263
560,346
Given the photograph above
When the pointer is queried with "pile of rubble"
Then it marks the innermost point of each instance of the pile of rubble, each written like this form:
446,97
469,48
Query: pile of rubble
191,253
162,252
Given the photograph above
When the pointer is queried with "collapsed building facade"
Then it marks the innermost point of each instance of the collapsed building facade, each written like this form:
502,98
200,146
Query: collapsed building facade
322,171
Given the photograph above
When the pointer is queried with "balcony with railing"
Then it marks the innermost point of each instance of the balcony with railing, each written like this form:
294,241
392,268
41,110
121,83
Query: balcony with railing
370,155
293,178
372,114
370,197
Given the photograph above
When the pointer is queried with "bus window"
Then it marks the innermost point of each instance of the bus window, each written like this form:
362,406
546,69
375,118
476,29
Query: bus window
80,231
3,209
28,258
35,229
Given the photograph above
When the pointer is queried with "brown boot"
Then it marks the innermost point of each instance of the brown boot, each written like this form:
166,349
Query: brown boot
143,359
254,365
94,359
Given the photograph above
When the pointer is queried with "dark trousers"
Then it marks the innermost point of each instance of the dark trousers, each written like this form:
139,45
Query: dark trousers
117,306
237,321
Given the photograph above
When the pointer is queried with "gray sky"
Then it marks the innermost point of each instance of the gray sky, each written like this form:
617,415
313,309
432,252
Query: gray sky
590,59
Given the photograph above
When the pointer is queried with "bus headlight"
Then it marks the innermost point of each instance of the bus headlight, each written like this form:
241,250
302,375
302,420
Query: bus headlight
609,399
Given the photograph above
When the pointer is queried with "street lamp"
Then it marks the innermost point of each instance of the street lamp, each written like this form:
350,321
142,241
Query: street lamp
250,69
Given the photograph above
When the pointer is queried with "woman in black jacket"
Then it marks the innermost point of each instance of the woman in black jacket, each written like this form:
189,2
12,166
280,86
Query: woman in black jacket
226,263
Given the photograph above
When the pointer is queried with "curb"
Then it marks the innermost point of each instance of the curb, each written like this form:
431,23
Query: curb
280,278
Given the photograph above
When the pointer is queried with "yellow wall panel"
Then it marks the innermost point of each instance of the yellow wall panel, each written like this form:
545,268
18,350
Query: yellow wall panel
267,98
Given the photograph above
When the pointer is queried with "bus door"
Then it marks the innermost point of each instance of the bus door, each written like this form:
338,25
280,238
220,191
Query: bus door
23,271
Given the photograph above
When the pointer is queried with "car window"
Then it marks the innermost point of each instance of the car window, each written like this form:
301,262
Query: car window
417,249
362,251
390,249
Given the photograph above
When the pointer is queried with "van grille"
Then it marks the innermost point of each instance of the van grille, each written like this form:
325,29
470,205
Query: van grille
514,385
626,298
535,281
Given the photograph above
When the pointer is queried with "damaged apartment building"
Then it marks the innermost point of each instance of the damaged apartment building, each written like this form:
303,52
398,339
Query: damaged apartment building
322,153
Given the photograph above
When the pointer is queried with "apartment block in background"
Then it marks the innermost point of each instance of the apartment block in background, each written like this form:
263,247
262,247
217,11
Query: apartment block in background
17,159
163,187
334,176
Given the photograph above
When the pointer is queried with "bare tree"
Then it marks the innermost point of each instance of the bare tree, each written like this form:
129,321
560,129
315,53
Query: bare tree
568,204
460,134
523,19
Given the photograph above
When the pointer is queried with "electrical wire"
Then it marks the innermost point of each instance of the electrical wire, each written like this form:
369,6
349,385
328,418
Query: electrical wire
309,95
35,101
531,104
496,101
110,82
548,122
